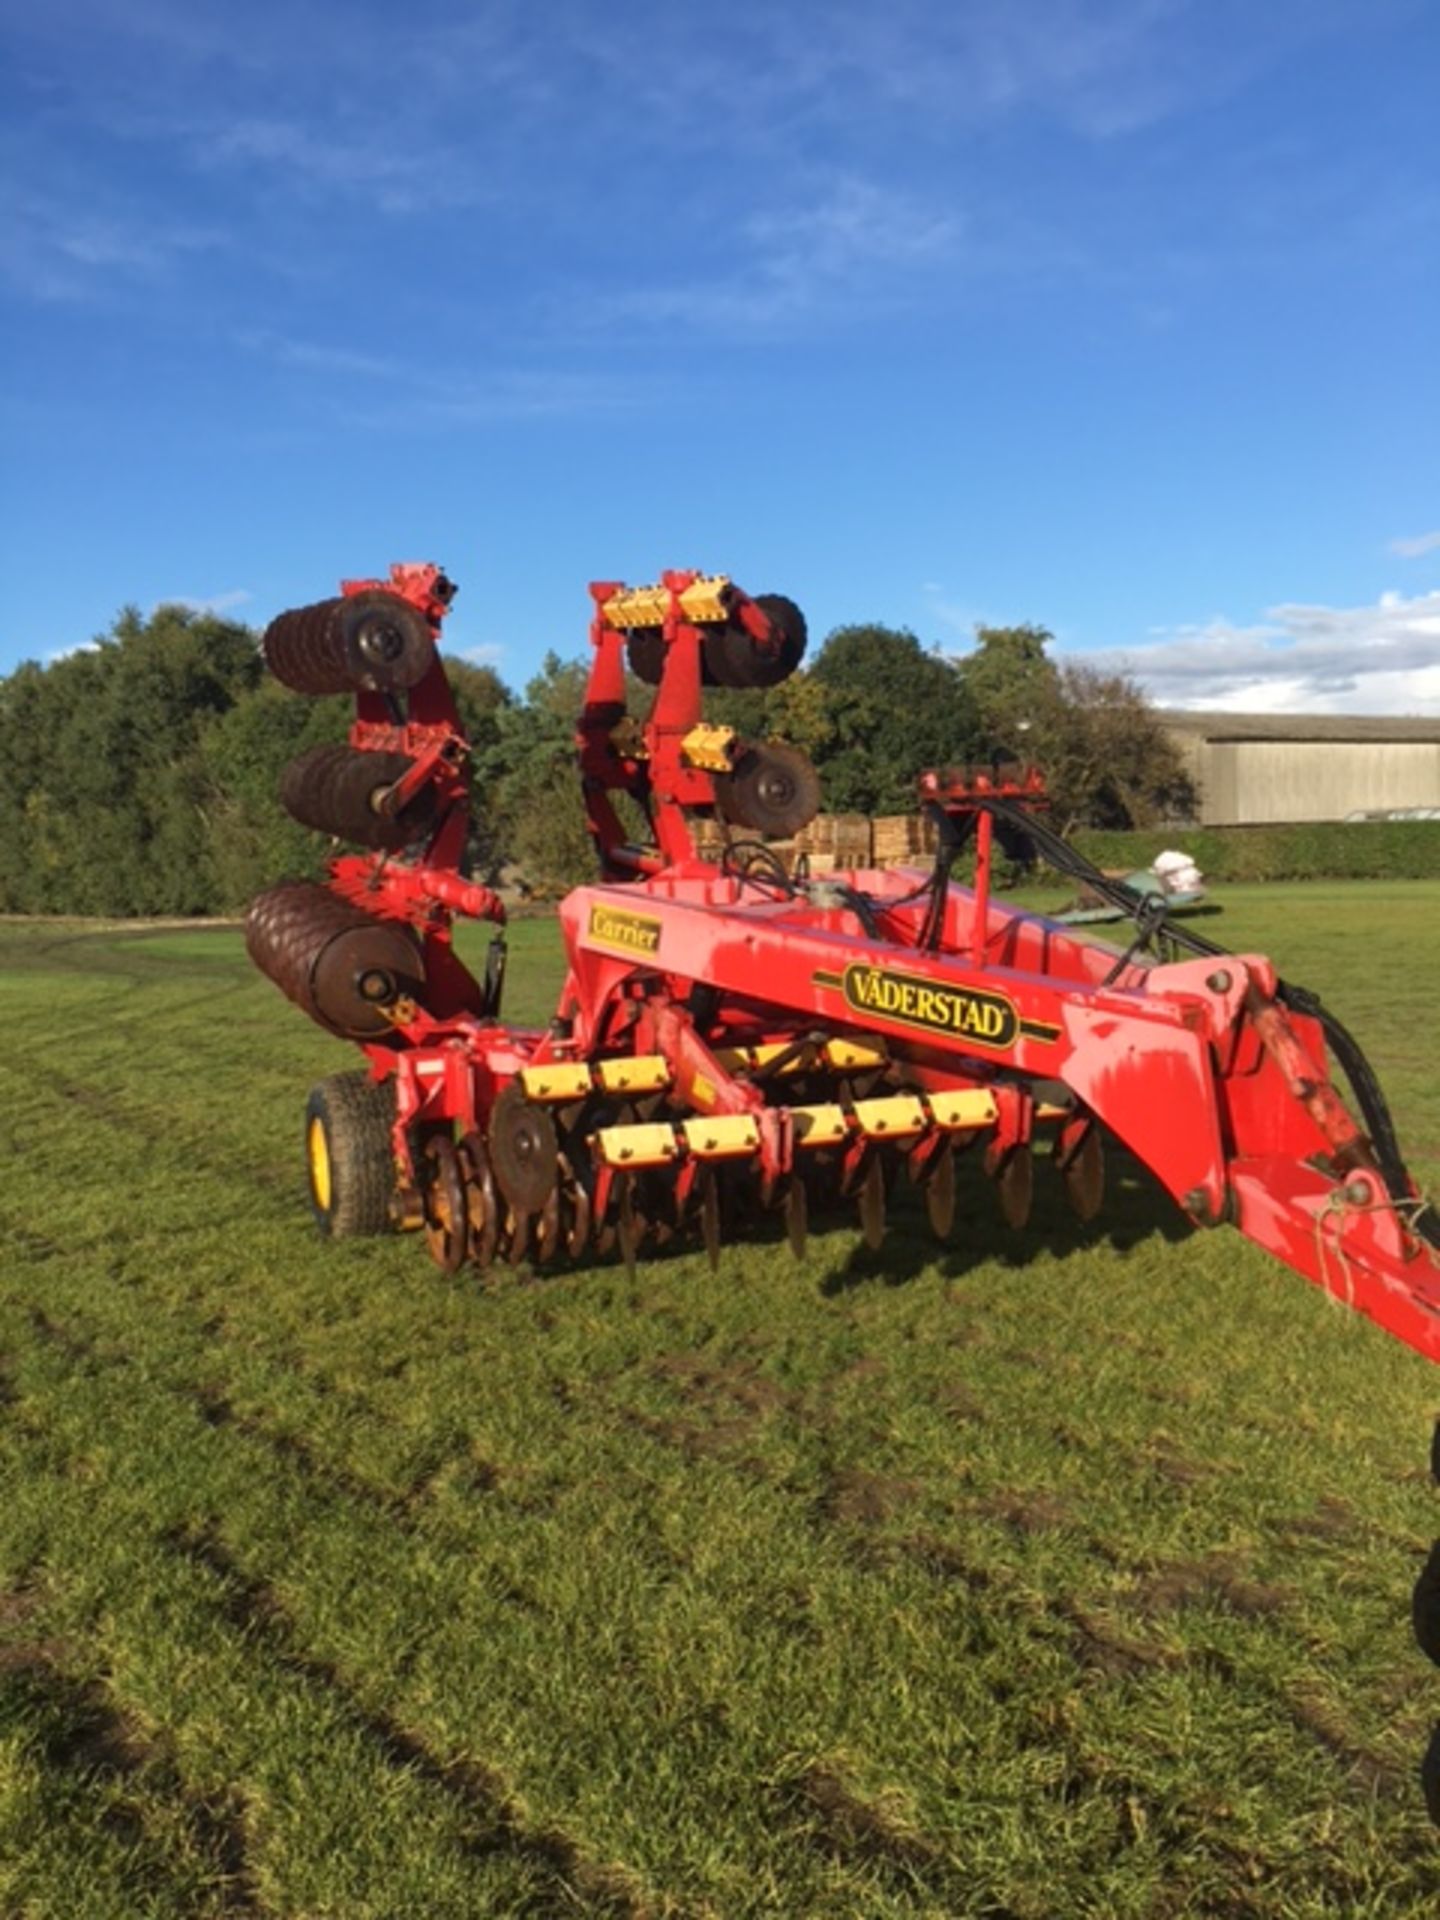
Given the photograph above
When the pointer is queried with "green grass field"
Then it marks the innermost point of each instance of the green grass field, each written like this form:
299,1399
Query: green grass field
1045,1577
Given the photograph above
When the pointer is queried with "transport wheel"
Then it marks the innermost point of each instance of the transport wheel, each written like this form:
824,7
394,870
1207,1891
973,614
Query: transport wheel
773,789
348,1159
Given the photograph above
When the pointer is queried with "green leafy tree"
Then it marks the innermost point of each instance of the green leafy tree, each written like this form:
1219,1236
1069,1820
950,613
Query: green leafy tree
1107,760
887,710
102,757
531,785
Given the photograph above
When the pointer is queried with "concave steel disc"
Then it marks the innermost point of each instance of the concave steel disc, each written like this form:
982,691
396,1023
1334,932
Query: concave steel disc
1083,1171
446,1216
1015,1185
940,1193
797,1216
482,1205
872,1205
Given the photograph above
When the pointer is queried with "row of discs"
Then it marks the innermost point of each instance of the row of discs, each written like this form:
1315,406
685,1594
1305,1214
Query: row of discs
729,654
525,1189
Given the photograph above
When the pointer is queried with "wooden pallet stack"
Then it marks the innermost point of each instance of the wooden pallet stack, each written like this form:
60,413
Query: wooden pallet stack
835,840
900,838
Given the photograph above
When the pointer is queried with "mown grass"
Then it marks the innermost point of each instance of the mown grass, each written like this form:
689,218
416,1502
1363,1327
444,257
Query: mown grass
1058,1576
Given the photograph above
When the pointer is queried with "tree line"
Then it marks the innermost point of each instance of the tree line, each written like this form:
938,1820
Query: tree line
138,776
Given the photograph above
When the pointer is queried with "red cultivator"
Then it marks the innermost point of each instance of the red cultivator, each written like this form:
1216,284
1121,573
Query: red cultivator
744,1033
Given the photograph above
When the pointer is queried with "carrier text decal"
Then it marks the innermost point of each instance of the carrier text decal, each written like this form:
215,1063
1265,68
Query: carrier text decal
984,1019
623,932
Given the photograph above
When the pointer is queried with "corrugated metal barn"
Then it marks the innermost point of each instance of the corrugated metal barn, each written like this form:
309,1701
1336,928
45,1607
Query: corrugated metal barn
1252,768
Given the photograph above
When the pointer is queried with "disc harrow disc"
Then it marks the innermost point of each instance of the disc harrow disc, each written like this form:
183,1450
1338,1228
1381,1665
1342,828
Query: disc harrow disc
628,1224
447,1225
1425,1606
360,642
872,1204
773,789
797,1216
336,962
729,653
1015,1185
547,1230
940,1193
1430,1776
515,1238
335,789
709,1191
523,1150
1083,1171
732,658
575,1209
482,1205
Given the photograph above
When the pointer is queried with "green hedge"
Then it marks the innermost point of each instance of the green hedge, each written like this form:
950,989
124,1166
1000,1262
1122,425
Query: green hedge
1317,850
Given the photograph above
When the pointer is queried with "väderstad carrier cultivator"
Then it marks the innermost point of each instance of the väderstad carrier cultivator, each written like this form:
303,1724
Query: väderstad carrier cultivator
741,1034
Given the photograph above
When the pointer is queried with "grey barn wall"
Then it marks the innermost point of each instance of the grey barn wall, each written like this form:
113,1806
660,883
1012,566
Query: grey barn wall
1253,770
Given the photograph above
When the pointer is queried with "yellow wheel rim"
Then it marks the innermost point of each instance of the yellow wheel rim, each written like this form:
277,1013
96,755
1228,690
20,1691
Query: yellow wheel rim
317,1152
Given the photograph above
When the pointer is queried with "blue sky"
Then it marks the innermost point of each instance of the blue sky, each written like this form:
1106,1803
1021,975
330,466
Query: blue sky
1121,316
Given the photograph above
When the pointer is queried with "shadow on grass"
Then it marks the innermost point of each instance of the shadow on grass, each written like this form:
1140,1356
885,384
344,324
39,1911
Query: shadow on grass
1136,1209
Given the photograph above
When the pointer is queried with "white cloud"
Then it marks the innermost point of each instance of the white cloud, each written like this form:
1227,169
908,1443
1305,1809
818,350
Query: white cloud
400,178
842,244
1383,658
488,654
426,395
226,602
52,251
1416,547
941,605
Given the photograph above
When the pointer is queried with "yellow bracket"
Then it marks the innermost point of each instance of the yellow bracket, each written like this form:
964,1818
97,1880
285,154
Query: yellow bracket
705,602
822,1126
963,1109
853,1056
573,1079
640,1073
721,1136
647,1144
712,749
558,1080
896,1116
